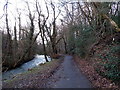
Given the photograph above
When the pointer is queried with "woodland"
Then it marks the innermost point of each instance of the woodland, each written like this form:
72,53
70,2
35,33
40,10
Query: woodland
89,31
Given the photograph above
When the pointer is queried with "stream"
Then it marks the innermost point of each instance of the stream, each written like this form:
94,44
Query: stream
39,59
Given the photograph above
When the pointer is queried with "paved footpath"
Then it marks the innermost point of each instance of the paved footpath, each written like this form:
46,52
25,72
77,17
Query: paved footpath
69,76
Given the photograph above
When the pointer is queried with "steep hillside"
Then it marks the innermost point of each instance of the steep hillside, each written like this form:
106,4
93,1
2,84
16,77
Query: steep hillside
102,66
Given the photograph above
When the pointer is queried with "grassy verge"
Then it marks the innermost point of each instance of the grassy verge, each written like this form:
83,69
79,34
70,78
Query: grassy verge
34,78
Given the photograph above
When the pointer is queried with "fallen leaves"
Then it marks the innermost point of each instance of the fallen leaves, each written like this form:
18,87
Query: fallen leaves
87,67
36,78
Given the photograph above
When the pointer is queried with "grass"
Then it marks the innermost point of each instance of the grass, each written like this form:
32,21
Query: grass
42,72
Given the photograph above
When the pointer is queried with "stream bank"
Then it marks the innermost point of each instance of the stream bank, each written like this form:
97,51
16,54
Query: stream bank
39,59
34,78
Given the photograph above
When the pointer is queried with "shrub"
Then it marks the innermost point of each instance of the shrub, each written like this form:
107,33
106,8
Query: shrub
111,63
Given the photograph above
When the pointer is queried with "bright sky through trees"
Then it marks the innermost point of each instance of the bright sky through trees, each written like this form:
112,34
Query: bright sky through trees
20,6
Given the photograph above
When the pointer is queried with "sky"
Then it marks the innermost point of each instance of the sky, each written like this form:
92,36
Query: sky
21,5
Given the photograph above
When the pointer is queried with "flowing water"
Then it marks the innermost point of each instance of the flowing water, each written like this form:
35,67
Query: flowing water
39,59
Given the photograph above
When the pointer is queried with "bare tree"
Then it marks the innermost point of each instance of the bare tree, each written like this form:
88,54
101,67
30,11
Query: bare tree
31,33
42,26
9,42
54,34
15,42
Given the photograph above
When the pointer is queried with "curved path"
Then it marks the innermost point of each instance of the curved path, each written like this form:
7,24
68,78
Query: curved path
69,76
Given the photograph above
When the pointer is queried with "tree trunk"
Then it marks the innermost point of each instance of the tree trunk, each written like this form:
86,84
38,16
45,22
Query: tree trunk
9,41
15,42
65,45
45,53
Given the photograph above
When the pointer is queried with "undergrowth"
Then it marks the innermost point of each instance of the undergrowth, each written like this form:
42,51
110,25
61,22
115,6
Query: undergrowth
110,63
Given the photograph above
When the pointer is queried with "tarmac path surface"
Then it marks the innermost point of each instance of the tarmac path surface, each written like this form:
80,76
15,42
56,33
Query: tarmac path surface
69,76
